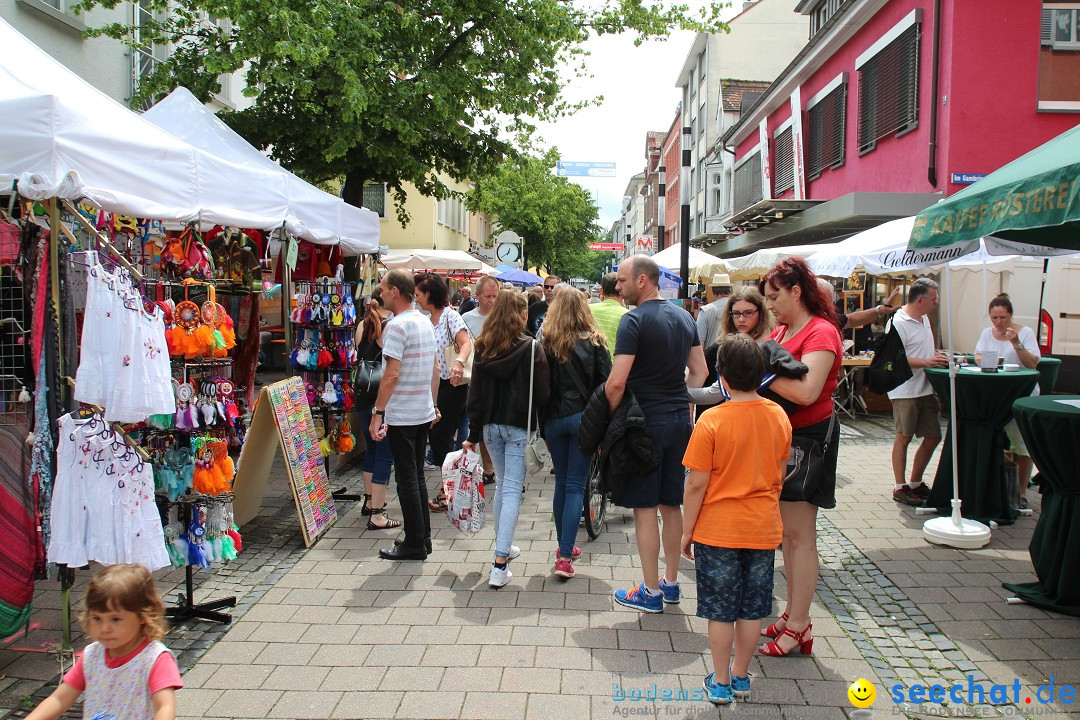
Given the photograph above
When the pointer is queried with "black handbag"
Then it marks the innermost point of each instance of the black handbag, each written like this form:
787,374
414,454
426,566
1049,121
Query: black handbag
889,369
368,374
805,466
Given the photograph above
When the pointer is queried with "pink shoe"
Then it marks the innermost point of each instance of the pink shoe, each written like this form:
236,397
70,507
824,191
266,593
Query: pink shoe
564,568
573,555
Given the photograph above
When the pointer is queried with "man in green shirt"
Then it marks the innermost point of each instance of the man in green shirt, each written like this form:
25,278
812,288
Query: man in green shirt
609,310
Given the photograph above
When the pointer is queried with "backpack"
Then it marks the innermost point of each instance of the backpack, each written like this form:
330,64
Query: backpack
889,369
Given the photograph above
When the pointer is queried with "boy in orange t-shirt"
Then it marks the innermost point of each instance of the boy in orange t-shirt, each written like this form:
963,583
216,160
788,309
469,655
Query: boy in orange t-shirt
731,509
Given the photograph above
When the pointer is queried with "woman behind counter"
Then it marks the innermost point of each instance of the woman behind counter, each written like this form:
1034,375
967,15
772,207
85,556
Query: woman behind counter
1015,343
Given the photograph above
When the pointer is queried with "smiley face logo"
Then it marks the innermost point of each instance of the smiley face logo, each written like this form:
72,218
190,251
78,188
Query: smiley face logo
862,693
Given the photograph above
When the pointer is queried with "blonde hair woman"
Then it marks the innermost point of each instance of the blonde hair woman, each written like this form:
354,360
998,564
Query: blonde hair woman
578,363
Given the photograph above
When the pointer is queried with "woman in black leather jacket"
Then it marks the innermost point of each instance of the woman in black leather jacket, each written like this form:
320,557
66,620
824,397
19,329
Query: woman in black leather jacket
578,362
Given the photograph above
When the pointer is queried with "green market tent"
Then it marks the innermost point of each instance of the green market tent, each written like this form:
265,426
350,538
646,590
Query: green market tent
1034,200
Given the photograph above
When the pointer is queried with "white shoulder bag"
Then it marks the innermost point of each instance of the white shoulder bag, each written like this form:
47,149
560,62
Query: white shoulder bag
535,448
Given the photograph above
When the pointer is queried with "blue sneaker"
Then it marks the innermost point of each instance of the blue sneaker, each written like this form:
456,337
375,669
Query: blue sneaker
716,693
740,686
670,590
638,599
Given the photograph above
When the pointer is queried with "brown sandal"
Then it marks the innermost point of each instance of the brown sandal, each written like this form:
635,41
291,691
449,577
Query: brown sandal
391,523
438,504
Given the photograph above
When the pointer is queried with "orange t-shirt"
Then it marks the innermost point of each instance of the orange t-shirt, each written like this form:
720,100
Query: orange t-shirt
744,446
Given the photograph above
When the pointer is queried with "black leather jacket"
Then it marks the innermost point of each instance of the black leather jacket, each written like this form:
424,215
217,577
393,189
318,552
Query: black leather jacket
499,390
587,368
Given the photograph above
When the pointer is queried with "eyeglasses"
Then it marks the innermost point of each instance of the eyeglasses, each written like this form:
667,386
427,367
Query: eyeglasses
744,314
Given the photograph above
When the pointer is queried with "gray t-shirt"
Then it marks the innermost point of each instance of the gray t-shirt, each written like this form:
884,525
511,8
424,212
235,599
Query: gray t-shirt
474,321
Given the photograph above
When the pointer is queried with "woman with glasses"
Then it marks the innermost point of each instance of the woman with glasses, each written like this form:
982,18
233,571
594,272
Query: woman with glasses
745,313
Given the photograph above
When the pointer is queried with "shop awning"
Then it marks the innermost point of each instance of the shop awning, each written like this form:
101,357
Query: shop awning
435,260
63,138
314,215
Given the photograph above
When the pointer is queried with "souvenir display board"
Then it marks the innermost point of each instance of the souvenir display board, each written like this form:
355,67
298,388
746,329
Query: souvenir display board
282,409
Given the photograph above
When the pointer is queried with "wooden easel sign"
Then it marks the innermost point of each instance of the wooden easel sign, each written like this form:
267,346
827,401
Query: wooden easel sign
282,411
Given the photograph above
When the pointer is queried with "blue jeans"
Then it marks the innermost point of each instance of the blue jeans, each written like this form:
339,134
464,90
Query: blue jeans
377,457
506,445
462,431
571,474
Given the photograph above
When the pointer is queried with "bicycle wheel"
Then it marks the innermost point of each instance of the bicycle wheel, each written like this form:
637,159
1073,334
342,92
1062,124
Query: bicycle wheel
595,502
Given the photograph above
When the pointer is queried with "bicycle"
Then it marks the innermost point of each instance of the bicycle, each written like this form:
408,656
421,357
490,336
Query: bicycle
596,501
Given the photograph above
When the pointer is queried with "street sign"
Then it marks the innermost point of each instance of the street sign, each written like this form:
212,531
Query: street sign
612,247
966,178
568,168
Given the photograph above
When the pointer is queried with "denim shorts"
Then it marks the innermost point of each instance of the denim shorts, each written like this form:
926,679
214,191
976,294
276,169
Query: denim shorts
733,584
670,433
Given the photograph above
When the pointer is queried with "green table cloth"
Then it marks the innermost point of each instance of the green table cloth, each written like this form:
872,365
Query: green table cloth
1048,368
983,408
1051,431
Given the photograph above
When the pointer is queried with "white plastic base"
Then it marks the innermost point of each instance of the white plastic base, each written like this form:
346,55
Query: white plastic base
967,534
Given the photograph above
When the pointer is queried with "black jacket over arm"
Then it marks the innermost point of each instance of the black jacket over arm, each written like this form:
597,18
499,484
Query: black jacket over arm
622,440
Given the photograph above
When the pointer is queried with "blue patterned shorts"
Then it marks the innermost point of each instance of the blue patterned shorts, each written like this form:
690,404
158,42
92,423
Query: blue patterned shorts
733,584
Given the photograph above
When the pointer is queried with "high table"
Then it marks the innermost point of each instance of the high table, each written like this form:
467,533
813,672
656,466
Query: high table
983,408
846,397
1051,431
1049,368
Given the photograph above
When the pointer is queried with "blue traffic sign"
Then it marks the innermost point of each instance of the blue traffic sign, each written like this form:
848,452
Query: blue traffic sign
566,168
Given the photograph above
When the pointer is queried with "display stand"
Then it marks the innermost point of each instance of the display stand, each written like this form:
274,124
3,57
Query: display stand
186,608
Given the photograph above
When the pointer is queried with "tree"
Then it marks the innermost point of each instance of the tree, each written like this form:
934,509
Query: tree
555,218
377,91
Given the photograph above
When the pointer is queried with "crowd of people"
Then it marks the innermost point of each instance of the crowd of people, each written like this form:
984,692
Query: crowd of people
691,421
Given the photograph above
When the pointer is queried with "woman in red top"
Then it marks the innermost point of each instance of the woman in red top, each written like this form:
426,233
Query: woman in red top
808,329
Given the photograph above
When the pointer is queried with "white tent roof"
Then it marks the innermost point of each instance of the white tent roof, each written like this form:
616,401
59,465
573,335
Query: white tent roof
61,137
435,260
882,250
313,214
756,264
702,264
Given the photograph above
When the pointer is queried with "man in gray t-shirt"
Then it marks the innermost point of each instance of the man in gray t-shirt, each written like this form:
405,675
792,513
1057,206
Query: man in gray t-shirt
404,410
487,289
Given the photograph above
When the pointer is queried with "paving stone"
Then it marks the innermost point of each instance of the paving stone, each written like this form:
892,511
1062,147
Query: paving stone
366,704
244,703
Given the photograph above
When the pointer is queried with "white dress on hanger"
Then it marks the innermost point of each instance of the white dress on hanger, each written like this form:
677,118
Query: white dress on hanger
143,378
99,347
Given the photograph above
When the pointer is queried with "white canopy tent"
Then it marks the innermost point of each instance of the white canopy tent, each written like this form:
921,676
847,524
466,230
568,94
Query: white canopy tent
435,260
759,262
63,138
313,214
702,264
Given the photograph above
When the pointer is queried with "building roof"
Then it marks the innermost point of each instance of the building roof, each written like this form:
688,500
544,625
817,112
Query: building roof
732,92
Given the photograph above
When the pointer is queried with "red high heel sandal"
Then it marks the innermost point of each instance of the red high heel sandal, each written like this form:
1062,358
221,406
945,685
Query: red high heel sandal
772,631
803,644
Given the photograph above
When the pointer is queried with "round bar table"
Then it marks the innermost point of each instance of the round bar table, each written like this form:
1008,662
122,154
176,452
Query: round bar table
983,409
1051,431
1049,368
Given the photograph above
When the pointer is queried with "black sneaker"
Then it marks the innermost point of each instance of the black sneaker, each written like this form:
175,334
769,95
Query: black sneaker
907,496
921,491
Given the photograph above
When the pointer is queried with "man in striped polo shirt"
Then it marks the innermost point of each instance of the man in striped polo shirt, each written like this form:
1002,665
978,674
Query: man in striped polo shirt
404,410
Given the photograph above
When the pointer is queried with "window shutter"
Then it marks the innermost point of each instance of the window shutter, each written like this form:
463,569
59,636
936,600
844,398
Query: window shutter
889,90
783,163
1046,28
748,182
827,121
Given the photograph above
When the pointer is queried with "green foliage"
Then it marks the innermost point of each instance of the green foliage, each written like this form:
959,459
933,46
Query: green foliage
555,218
376,91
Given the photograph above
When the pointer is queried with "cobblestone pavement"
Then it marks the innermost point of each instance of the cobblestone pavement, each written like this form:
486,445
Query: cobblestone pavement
336,632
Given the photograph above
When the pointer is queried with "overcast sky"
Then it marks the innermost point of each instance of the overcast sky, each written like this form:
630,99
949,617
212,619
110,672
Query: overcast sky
638,85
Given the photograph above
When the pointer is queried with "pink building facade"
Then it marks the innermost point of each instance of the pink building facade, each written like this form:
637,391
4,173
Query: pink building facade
893,104
671,161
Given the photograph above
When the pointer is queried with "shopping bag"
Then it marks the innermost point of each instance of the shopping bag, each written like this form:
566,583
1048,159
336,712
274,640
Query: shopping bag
463,486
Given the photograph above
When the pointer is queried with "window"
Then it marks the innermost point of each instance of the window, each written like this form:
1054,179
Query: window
701,223
701,64
1061,28
693,182
889,90
748,182
702,177
1059,57
701,118
826,118
693,83
783,162
375,198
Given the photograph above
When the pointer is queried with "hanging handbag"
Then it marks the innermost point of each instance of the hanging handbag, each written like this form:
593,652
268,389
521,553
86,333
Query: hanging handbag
535,449
806,466
369,371
450,353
